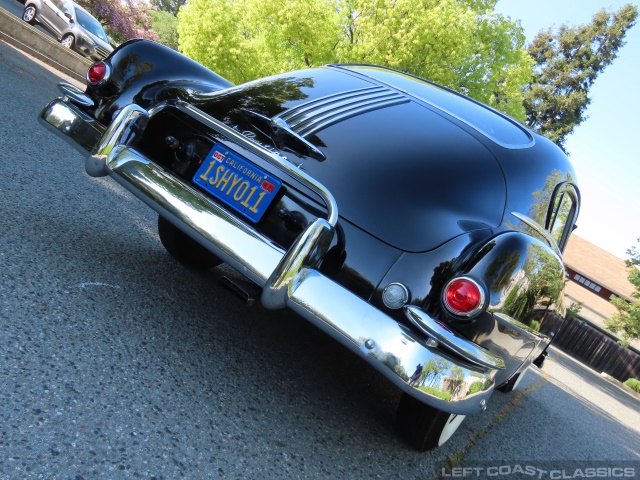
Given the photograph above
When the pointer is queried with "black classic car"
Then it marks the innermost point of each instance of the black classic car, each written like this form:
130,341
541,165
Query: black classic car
419,228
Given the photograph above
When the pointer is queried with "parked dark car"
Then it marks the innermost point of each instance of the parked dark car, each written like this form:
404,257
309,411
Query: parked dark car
420,228
71,24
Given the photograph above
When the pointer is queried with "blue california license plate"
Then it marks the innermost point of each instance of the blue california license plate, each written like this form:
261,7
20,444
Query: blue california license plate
237,182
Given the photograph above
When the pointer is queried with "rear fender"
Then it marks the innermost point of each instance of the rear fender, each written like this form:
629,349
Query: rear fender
522,274
35,3
524,279
145,73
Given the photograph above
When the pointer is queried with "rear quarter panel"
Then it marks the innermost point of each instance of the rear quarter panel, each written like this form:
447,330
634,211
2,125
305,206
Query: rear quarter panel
522,275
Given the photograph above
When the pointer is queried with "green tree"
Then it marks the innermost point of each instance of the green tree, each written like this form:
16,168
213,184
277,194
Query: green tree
166,26
462,44
627,320
574,309
238,38
541,286
170,6
567,63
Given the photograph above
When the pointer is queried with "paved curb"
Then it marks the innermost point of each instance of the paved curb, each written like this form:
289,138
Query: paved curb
620,384
605,376
25,37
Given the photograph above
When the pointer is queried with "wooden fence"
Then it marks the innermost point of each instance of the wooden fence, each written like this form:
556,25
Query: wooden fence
594,347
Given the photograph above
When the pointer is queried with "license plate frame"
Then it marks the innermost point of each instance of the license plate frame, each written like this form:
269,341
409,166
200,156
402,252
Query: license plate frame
237,182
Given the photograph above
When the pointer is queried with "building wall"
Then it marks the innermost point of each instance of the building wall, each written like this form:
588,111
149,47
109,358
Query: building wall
590,284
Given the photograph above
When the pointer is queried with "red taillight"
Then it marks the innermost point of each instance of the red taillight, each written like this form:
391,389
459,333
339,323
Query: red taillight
97,73
463,296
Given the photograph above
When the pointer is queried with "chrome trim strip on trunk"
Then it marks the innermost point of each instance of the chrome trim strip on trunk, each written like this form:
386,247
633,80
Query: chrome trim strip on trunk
339,114
311,117
292,116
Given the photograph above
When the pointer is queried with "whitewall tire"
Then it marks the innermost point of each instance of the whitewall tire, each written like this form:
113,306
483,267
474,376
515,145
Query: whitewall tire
423,426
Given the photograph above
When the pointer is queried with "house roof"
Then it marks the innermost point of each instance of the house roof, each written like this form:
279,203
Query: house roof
598,265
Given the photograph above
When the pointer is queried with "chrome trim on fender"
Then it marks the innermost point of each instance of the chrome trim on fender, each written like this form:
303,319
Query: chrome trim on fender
520,327
469,350
74,94
539,230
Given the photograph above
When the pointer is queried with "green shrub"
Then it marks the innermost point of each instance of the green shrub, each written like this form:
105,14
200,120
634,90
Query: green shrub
535,325
634,384
434,391
476,387
573,310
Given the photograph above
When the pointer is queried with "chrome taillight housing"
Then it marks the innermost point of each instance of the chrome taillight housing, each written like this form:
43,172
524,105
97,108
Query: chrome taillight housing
98,74
395,295
464,297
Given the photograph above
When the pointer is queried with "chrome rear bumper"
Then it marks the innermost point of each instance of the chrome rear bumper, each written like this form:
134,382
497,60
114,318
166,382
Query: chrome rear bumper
288,278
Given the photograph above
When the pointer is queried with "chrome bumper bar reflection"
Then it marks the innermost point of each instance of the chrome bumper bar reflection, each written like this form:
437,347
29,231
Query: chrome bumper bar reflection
80,130
289,278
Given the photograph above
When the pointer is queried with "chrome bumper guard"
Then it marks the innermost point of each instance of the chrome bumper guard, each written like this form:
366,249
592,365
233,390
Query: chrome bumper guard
288,278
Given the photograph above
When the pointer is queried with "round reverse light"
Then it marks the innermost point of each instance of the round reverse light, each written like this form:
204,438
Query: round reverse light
395,295
463,296
98,73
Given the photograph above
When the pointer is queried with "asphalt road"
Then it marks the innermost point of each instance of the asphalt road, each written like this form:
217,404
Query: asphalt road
118,362
12,6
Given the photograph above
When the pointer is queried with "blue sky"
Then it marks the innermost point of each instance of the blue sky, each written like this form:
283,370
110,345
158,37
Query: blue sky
605,148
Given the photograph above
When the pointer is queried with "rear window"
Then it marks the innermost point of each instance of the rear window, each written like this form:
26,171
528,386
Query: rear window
491,124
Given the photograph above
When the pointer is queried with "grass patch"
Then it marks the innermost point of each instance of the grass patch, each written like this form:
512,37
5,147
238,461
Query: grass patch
435,392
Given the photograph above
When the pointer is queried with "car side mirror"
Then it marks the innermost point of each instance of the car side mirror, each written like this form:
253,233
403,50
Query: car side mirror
68,15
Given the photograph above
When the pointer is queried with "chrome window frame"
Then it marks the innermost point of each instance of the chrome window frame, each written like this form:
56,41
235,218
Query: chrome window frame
572,192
